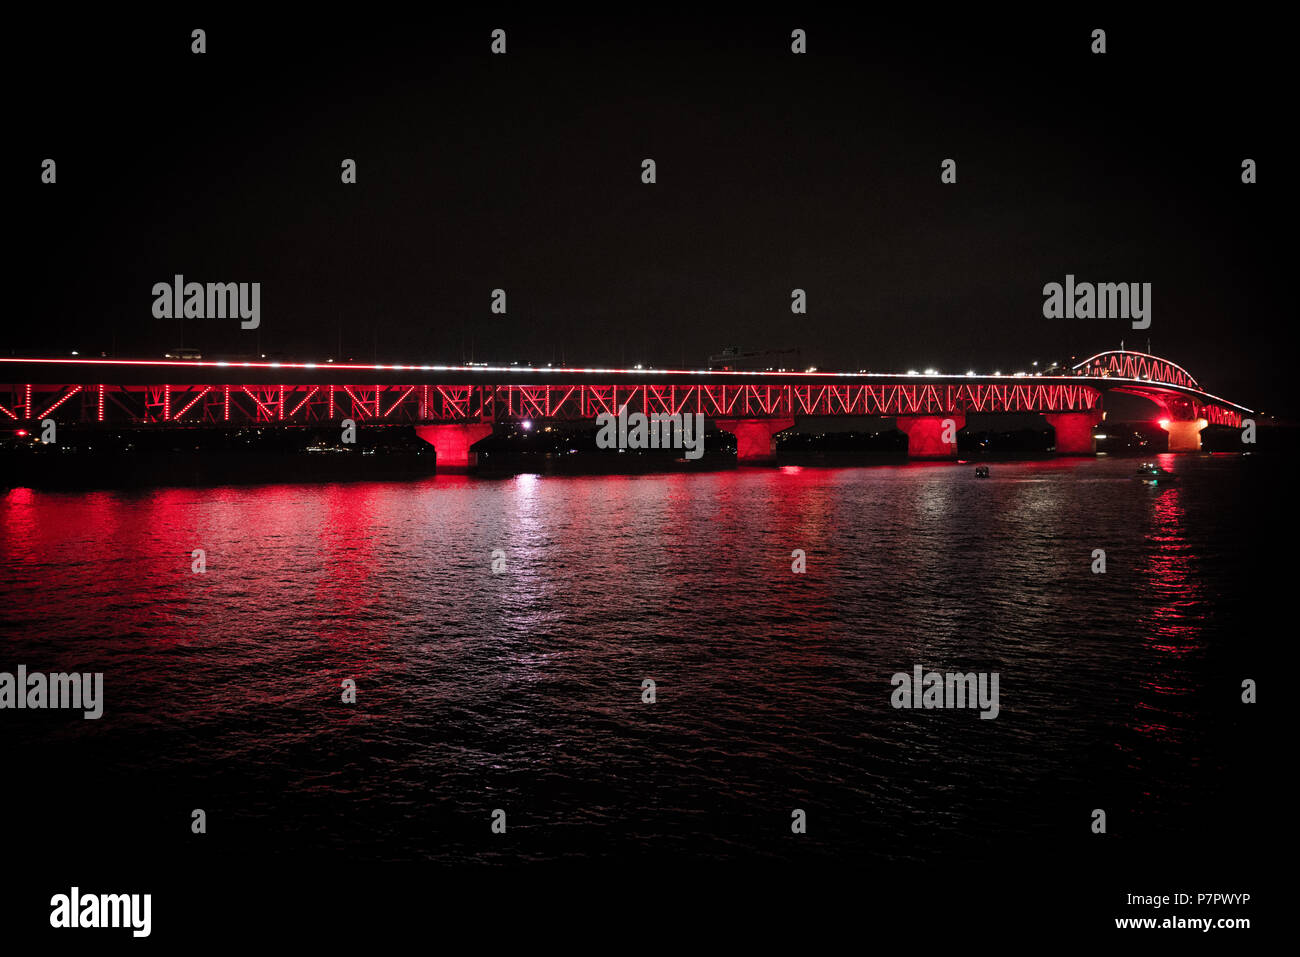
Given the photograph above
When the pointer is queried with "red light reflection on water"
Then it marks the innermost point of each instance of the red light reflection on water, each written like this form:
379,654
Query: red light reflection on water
1173,628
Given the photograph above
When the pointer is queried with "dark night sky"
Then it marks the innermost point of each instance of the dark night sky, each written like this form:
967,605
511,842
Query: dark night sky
775,171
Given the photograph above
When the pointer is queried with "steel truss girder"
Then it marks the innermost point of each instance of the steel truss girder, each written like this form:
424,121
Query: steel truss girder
305,404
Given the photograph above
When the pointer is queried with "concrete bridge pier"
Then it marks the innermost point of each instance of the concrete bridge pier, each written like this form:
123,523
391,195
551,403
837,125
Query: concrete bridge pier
452,443
1184,436
1074,431
755,438
932,436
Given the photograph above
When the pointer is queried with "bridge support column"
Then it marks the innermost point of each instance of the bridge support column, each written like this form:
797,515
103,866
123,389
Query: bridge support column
755,438
452,443
1074,431
1184,436
931,436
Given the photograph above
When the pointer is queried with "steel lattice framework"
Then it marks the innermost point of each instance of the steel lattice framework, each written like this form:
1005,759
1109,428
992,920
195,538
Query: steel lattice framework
303,394
1136,365
303,404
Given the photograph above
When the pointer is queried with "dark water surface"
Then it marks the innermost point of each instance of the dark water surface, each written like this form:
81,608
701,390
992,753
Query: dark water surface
522,690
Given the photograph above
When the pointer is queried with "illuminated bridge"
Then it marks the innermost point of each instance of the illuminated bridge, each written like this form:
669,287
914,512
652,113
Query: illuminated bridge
452,407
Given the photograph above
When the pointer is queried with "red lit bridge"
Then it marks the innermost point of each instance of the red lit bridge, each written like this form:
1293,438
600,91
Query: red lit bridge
452,407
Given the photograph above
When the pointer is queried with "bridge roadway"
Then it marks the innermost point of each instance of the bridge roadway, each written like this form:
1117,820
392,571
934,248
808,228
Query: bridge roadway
452,407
